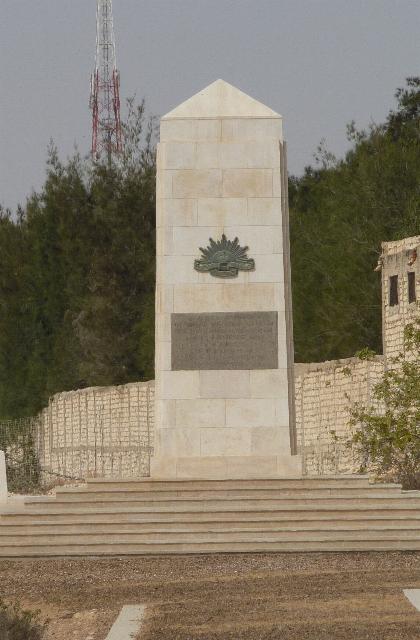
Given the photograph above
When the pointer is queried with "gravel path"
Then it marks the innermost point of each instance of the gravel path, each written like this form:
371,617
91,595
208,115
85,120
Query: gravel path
224,597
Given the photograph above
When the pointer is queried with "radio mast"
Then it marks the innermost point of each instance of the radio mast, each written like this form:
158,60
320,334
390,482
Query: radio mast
105,88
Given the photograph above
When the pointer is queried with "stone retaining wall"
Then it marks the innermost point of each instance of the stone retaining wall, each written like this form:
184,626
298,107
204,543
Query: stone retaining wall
98,431
325,392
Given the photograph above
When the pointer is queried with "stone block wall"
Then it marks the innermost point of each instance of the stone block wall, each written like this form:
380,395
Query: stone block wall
99,431
325,392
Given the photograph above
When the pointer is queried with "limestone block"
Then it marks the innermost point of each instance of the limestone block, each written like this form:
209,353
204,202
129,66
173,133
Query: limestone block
163,327
268,268
279,298
164,184
164,301
264,211
282,329
177,269
207,155
188,240
269,383
200,413
243,155
179,155
206,129
256,412
176,212
225,442
277,183
187,442
163,355
190,129
159,213
259,238
265,440
197,183
221,212
258,154
178,385
217,297
166,413
228,467
225,384
164,241
163,467
166,443
251,466
263,154
221,99
289,466
202,467
251,128
3,478
177,130
251,183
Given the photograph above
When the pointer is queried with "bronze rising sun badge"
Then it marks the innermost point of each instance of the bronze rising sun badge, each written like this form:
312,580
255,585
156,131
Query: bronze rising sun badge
224,258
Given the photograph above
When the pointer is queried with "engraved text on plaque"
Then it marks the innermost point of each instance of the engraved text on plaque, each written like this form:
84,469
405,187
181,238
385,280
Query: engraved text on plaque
239,340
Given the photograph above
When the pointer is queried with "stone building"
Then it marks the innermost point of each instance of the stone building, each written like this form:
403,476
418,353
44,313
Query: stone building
400,270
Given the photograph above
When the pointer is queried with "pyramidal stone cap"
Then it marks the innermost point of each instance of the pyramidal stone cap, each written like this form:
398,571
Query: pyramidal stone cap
221,100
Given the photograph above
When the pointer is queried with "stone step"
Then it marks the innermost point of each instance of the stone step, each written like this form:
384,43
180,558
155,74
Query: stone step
193,537
146,484
314,544
84,494
226,502
209,516
37,528
182,513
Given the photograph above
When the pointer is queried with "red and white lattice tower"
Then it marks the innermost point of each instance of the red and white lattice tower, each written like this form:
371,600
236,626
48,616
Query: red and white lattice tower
105,88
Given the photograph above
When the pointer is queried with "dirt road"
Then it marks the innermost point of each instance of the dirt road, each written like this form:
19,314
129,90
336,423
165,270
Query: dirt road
224,597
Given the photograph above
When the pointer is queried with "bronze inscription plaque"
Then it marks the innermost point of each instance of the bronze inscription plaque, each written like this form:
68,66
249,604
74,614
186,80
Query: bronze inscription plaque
239,340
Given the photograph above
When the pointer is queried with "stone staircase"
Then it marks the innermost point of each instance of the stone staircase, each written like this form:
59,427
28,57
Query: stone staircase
120,517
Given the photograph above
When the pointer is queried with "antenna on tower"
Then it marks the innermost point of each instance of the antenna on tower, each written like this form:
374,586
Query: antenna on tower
105,87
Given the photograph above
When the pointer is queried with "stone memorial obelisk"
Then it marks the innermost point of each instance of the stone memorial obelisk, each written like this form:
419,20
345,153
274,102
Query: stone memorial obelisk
224,345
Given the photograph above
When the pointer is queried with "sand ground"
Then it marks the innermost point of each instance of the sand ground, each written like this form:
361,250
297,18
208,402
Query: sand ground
231,597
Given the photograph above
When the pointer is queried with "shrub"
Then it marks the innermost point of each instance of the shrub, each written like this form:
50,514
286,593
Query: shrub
365,354
19,624
388,435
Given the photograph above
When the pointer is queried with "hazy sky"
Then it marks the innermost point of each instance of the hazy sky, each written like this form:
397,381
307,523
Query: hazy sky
320,63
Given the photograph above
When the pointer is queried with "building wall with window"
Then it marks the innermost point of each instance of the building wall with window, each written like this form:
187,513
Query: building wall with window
400,291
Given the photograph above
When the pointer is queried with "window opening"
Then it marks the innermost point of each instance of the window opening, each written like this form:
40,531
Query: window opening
393,291
411,286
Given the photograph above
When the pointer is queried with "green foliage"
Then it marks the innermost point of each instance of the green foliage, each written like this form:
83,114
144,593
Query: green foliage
17,440
365,354
19,624
388,435
340,212
77,270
